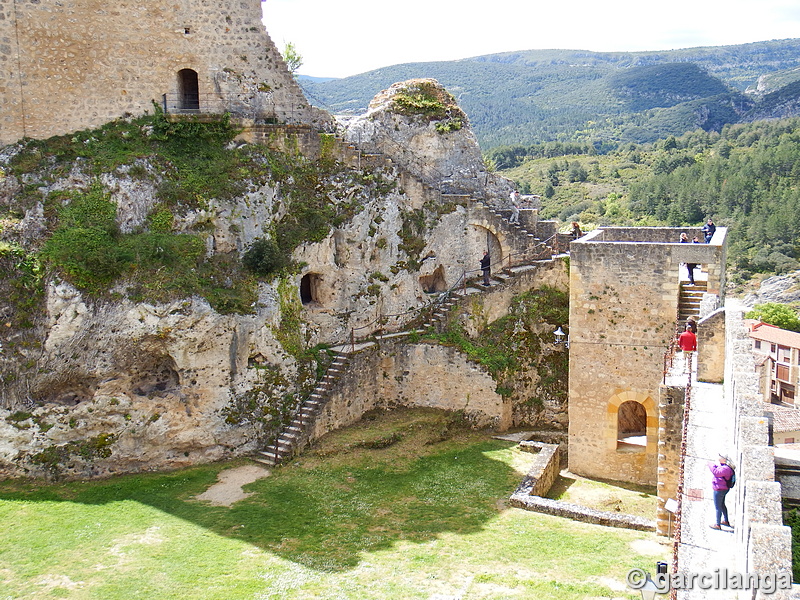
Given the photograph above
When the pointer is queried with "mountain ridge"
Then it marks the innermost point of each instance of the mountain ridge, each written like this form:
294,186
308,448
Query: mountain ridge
607,98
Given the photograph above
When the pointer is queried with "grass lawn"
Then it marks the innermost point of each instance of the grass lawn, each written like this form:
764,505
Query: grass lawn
401,506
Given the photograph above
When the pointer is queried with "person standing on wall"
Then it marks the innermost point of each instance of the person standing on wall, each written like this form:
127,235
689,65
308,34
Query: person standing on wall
514,197
486,267
687,342
721,483
708,230
575,232
690,267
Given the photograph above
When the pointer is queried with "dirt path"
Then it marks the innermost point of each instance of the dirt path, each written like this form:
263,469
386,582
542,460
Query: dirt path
228,488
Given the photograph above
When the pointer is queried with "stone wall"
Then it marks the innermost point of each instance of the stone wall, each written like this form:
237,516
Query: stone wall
543,472
763,543
711,347
77,64
672,400
413,375
624,291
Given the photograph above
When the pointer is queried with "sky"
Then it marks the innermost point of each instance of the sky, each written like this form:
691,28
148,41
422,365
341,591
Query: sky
339,38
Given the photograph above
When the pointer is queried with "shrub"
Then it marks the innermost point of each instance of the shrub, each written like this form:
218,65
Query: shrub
264,258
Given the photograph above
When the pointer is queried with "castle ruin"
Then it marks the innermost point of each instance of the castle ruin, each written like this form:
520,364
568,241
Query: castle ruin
78,64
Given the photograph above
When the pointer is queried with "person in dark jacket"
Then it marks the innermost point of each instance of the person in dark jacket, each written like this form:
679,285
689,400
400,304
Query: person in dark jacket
720,483
486,268
708,230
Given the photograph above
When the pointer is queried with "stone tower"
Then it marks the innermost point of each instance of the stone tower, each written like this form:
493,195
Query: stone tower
69,65
624,295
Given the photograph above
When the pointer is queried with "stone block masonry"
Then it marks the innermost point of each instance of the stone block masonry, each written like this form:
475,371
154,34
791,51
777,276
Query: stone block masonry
624,291
77,64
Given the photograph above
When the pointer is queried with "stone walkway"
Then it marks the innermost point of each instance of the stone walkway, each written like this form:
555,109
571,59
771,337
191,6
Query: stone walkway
702,549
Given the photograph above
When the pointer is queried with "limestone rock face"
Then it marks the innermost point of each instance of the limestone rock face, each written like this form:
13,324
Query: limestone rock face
782,289
111,386
419,125
154,383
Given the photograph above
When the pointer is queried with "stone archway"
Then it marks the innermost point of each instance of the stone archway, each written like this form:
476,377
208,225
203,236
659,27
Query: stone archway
481,238
632,422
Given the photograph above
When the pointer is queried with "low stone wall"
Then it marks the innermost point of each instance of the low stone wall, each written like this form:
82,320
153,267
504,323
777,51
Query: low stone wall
540,478
544,470
581,513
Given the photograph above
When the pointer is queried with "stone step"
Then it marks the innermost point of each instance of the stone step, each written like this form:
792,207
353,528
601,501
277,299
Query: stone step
269,462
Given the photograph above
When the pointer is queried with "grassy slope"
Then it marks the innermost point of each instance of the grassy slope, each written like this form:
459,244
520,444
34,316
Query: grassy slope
423,516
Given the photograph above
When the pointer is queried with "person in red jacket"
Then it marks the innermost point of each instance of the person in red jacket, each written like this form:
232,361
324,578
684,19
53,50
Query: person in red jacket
687,342
721,483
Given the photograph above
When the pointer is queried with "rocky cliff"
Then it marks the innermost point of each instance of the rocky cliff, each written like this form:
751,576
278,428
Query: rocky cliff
132,337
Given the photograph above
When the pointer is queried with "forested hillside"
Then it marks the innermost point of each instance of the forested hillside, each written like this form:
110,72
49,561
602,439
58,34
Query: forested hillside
607,98
746,177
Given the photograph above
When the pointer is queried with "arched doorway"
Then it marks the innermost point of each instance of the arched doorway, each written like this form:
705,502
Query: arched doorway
188,90
632,424
309,288
480,239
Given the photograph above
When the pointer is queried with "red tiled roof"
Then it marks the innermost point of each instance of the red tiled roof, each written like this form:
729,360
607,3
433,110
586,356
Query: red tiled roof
784,418
775,335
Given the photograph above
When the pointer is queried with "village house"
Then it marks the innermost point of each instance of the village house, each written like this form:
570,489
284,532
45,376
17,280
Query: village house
778,356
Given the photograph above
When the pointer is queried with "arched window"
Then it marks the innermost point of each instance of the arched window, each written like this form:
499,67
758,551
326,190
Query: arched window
188,90
631,426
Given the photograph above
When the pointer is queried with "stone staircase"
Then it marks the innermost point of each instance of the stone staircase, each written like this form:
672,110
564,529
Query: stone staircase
535,248
295,435
292,436
689,300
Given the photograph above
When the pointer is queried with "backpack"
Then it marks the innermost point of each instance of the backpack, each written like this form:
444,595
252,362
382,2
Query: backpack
732,480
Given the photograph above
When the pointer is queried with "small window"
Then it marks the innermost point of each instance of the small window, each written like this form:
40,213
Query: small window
758,344
186,31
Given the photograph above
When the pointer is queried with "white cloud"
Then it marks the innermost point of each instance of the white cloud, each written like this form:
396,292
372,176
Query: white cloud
338,38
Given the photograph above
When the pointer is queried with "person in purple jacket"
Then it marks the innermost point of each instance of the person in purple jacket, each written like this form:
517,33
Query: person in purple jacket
722,474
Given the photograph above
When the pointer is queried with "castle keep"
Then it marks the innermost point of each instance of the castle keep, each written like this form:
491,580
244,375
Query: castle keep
77,64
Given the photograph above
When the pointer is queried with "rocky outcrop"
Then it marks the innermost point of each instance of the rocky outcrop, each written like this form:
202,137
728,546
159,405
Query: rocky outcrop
782,289
420,126
103,385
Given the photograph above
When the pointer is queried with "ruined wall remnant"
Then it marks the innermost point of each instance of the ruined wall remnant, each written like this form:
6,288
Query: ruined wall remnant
77,64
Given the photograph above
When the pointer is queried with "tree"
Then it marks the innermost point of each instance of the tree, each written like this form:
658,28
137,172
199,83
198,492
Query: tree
292,58
780,315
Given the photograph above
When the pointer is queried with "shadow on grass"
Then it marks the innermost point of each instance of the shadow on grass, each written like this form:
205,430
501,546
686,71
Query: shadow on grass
322,516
